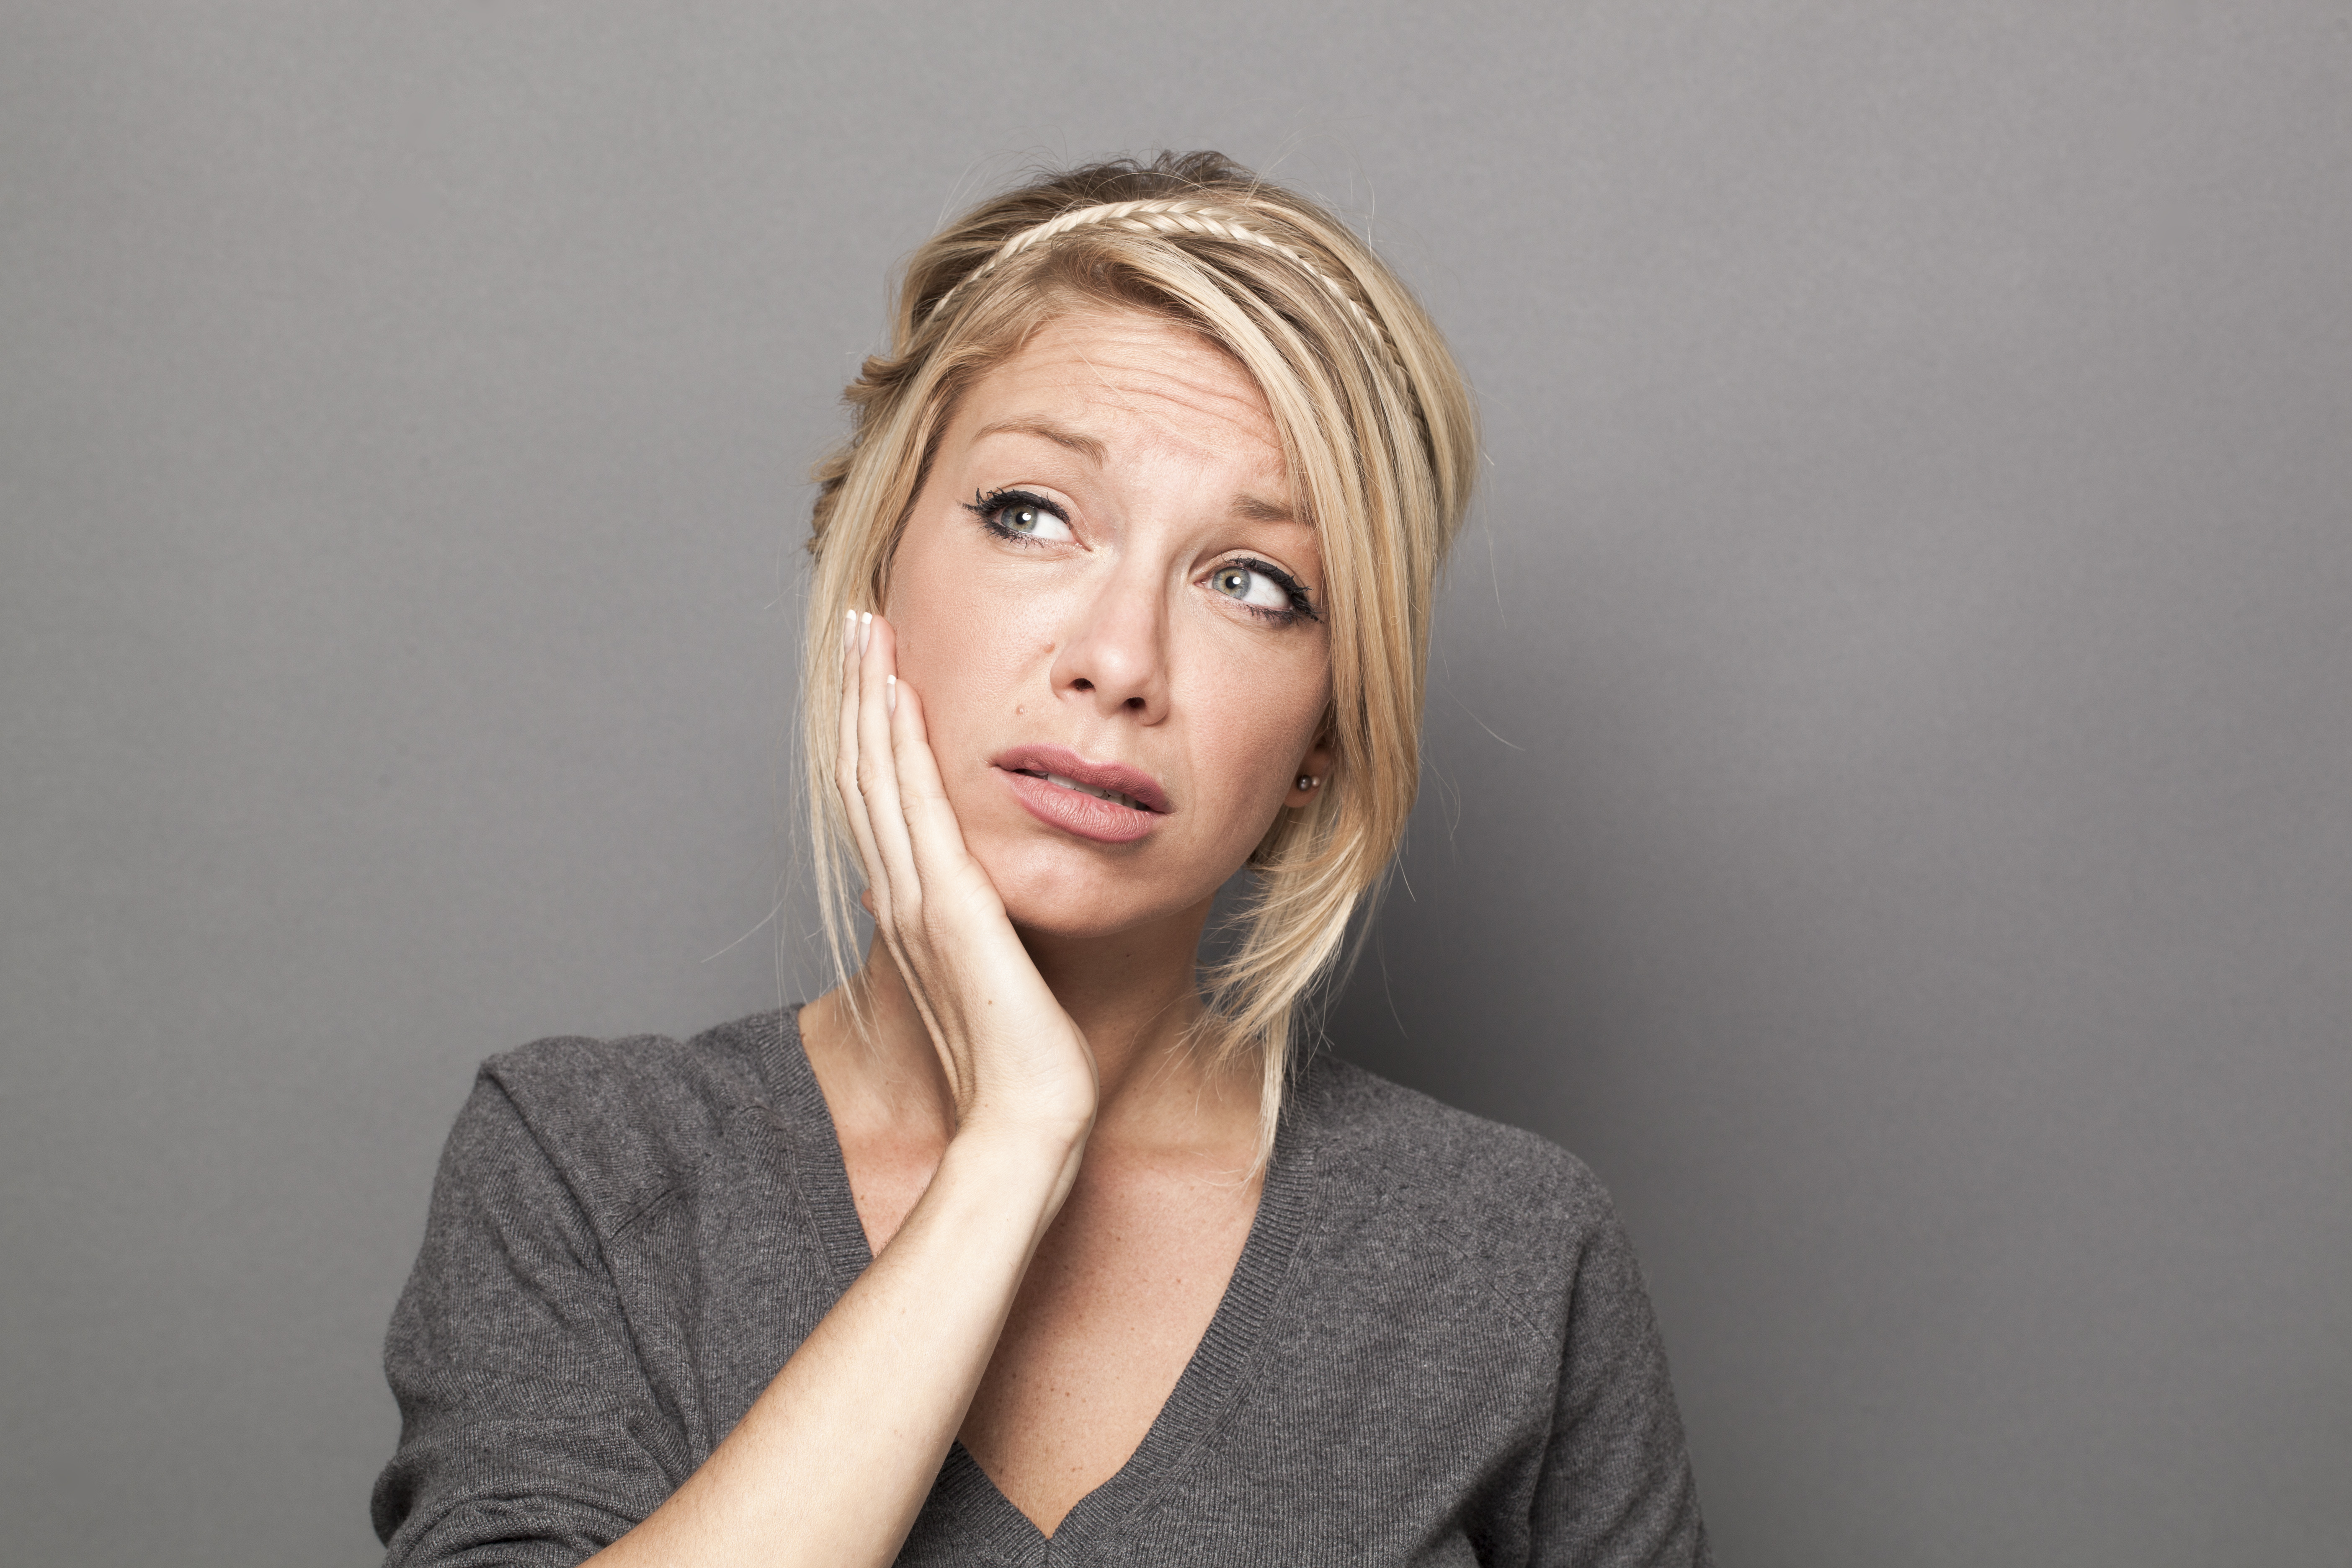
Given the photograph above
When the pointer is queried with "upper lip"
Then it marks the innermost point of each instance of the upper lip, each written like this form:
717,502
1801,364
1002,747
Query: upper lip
1116,777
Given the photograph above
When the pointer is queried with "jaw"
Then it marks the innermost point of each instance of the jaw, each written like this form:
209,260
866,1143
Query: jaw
1064,889
1137,970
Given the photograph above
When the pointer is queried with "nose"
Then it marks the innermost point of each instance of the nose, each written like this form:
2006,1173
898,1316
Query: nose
1115,652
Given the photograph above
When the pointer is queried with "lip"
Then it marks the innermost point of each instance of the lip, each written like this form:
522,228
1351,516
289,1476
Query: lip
1086,815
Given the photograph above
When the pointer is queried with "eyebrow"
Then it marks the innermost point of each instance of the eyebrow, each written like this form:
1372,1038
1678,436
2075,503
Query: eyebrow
1044,430
1256,509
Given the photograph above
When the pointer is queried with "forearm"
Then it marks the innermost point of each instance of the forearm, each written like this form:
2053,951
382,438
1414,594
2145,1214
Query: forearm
834,1460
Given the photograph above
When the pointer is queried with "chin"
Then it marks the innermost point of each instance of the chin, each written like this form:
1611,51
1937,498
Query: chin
1043,892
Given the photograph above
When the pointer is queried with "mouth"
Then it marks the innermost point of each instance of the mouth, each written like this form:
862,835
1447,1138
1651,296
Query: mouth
1065,769
1110,802
1058,782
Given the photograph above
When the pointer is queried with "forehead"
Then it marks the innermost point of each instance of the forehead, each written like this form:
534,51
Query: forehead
1126,383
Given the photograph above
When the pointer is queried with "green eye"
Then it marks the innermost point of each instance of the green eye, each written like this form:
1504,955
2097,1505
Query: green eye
1260,587
1016,514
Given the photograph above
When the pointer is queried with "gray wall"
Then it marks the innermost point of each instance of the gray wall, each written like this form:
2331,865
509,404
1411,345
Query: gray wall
1888,801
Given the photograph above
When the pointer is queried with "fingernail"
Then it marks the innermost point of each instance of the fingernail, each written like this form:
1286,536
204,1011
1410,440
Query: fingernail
865,630
890,691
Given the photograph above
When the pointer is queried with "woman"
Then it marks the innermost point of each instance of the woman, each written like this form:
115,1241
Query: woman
1122,581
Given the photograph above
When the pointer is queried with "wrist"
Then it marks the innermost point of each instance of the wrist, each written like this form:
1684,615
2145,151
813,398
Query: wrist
1024,1118
1011,1167
1008,1146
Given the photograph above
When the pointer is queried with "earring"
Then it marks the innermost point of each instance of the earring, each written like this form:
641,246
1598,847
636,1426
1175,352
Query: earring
1309,780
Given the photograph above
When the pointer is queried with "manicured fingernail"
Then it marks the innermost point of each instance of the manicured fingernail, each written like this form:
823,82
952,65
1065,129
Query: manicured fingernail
865,630
890,691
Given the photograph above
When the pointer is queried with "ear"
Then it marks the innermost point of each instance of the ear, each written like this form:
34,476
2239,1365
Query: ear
1316,765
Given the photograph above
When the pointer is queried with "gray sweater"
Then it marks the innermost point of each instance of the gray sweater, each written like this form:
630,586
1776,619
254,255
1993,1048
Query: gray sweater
1435,1347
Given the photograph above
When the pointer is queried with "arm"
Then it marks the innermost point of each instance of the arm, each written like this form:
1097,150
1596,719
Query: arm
834,1460
530,1434
529,1431
1616,1489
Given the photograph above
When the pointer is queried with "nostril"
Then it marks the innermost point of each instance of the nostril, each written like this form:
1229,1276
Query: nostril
1136,703
1082,684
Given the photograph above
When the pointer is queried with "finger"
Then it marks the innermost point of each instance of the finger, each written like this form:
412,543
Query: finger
898,884
845,767
942,860
963,917
878,774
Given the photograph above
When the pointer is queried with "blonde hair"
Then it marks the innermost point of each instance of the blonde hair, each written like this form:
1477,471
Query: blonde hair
1378,435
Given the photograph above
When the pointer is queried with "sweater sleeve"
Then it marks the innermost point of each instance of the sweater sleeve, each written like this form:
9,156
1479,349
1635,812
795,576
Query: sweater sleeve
530,1434
1615,1489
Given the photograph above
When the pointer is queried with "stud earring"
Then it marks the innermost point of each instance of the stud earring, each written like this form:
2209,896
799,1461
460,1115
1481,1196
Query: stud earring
1309,780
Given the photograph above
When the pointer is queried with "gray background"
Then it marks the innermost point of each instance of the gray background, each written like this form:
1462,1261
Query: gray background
1887,803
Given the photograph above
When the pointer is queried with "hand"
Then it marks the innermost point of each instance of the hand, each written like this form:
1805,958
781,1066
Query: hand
1014,1060
833,1459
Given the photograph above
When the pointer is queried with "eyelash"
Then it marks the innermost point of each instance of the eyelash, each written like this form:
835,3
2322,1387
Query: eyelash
1302,606
987,505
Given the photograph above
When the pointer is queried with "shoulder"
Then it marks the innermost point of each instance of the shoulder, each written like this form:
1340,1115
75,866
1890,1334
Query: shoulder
1513,1205
624,1120
1432,1156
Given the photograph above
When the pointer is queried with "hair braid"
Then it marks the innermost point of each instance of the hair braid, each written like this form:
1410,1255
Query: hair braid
1165,216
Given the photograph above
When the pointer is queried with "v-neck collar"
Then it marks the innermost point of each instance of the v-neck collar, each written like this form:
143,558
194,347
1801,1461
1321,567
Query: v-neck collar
976,1510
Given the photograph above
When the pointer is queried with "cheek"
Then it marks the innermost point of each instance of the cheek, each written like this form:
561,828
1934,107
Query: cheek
1251,727
967,640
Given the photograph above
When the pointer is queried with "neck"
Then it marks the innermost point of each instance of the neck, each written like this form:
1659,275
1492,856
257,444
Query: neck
1133,994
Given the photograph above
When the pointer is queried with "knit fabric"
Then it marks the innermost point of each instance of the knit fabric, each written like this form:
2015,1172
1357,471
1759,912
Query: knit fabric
1434,1348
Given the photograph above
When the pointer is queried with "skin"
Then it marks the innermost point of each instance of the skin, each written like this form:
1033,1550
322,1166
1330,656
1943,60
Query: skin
1054,1189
